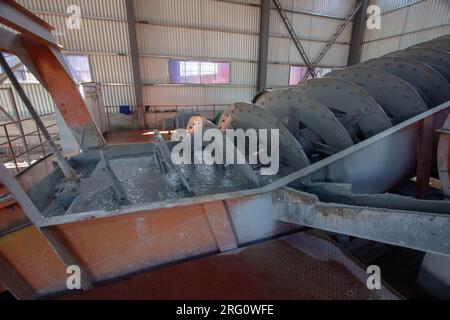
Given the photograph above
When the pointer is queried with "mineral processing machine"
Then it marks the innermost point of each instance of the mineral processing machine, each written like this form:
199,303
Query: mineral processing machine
364,157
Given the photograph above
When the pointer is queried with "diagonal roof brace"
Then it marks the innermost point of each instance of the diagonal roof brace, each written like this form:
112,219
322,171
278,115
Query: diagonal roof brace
334,37
294,37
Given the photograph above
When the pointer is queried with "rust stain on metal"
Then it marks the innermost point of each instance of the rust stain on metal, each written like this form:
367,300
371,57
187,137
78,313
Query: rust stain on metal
59,84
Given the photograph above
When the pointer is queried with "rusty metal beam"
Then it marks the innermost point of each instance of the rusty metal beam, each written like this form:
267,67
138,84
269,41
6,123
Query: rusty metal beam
54,75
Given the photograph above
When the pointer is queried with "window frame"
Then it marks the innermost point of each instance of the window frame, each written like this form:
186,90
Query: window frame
303,66
31,79
215,62
91,75
290,72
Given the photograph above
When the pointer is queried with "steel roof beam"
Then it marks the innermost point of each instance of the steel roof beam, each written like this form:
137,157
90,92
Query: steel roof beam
18,18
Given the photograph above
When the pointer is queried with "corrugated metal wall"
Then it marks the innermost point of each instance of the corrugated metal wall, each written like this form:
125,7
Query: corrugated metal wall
405,23
216,30
228,31
220,30
42,101
103,37
200,30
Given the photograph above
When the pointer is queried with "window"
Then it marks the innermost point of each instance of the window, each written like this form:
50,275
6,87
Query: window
297,74
204,72
21,72
79,67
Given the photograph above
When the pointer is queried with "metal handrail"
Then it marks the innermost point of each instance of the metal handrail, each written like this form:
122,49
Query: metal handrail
30,134
16,154
26,119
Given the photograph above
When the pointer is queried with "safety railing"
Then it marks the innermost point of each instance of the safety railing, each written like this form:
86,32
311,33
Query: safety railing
22,143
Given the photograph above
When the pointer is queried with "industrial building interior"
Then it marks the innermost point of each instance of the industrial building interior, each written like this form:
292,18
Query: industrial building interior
96,97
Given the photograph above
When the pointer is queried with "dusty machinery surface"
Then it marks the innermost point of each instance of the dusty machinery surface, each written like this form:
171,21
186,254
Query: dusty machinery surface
351,145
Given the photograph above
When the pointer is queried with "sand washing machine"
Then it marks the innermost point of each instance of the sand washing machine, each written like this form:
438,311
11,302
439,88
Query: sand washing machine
364,154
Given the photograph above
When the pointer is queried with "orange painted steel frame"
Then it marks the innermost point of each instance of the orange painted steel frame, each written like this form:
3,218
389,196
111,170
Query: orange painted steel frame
37,49
113,247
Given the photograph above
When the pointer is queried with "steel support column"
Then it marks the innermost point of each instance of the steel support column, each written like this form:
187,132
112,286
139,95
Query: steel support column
135,63
359,25
264,25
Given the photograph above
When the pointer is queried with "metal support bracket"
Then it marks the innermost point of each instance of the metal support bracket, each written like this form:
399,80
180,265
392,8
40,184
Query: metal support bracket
420,231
